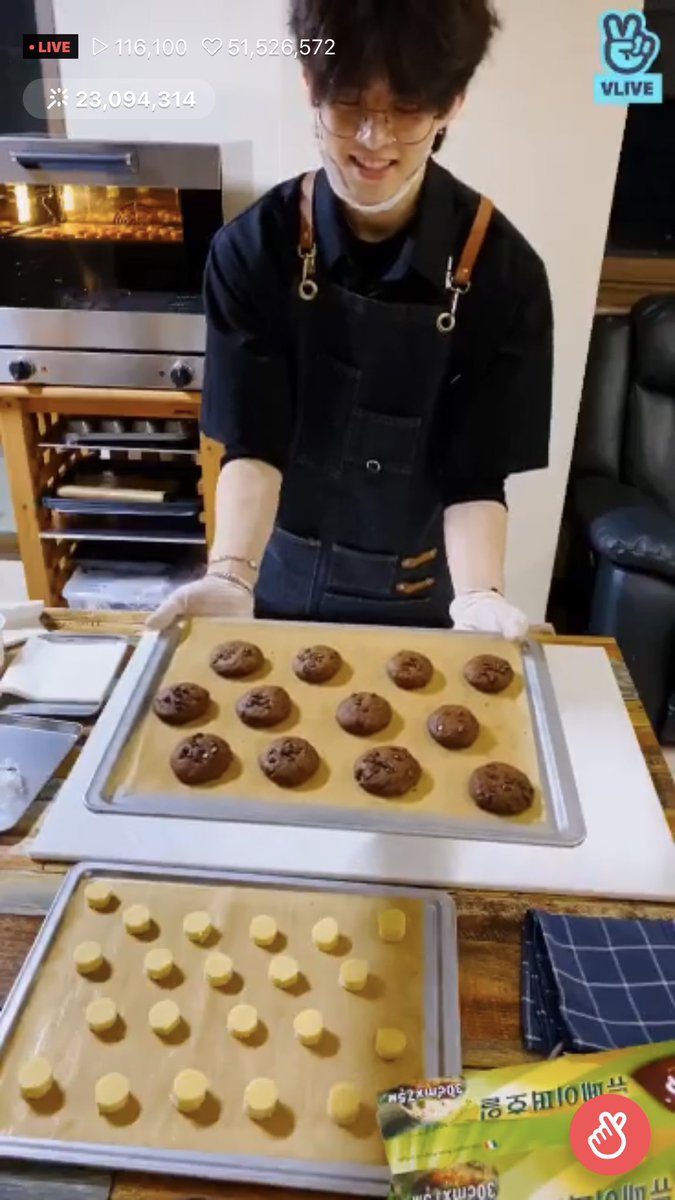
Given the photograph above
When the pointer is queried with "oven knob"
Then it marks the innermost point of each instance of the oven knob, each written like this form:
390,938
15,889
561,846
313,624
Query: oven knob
181,375
21,368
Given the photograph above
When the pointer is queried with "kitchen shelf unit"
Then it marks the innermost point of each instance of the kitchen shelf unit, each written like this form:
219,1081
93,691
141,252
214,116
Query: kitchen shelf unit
29,418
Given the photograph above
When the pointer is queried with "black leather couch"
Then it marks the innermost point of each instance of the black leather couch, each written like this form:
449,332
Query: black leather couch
619,529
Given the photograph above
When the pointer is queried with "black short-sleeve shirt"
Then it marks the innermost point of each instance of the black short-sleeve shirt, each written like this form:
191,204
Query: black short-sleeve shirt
493,417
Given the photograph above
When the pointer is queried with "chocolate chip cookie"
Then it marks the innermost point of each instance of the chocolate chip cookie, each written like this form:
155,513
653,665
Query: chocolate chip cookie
201,758
488,673
317,664
264,707
236,660
501,789
181,703
409,670
388,771
289,761
453,726
364,714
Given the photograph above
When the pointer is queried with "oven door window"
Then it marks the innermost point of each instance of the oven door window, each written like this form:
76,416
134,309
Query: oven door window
73,246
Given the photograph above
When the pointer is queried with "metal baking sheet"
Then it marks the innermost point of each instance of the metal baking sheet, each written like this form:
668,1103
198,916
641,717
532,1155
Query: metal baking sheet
163,440
37,746
441,1046
560,822
166,509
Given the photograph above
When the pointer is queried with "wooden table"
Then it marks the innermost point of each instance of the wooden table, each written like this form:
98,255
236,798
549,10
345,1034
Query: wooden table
489,942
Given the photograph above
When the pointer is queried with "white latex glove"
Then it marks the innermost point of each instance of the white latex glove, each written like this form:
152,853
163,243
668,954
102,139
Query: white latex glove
488,612
211,596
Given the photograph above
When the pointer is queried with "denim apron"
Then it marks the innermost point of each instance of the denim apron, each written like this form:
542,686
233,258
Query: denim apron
362,475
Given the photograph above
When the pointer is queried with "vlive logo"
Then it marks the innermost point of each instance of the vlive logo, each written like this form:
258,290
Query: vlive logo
628,50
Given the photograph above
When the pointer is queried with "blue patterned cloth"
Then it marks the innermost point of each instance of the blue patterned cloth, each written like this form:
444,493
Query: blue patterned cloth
596,983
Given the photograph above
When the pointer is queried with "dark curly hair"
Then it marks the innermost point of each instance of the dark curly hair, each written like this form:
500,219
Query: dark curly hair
427,50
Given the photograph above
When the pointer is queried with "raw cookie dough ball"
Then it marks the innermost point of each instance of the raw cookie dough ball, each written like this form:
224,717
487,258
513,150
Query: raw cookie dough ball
363,714
500,789
242,1021
261,1098
354,974
453,726
308,1027
391,925
326,934
263,930
189,1090
158,964
387,771
101,1014
98,895
181,703
137,919
218,969
164,1017
488,673
112,1092
390,1044
201,758
236,660
88,957
410,670
289,762
264,707
197,926
36,1078
317,664
283,971
344,1102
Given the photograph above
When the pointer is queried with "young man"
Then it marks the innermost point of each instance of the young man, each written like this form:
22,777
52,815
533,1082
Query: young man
379,352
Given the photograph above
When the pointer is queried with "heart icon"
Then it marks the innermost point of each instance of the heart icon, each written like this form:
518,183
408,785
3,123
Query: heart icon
212,45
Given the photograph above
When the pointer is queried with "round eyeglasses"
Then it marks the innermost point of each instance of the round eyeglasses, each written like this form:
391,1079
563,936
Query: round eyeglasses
345,120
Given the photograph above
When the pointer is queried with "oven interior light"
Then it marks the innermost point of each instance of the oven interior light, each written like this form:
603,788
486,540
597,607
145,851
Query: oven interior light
68,198
23,205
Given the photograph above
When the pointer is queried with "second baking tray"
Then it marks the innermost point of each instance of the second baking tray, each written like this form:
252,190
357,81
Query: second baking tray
36,746
521,726
413,986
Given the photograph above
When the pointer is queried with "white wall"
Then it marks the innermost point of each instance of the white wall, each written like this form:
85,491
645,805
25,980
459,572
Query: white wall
530,136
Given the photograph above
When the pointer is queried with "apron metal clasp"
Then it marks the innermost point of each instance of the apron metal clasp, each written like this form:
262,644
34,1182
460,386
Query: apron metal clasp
446,321
307,288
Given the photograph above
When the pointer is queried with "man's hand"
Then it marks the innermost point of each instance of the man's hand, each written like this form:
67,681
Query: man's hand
488,612
211,596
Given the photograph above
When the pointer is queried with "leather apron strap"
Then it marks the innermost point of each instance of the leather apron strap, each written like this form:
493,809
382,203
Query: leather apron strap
457,282
306,246
474,243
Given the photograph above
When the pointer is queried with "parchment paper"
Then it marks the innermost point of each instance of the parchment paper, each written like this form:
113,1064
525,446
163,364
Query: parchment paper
506,727
53,1024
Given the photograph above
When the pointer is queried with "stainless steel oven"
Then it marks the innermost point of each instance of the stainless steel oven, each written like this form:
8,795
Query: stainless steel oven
102,253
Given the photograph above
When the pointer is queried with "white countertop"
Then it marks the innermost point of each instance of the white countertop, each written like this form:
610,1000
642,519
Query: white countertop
628,852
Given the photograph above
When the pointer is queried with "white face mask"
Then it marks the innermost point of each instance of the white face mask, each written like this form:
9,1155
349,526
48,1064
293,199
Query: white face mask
338,185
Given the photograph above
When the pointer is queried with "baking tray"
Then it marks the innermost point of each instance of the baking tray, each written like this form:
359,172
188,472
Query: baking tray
557,818
22,1033
163,440
38,746
167,509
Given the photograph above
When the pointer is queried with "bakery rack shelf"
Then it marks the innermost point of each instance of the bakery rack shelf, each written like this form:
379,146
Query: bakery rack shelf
40,447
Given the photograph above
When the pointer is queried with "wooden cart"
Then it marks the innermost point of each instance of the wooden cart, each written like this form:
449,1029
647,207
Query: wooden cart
27,414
